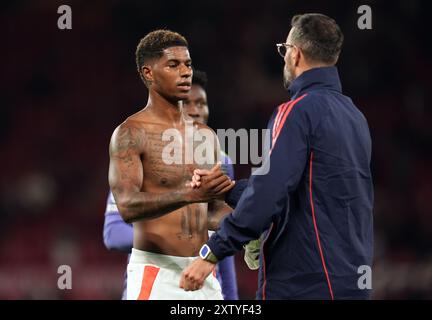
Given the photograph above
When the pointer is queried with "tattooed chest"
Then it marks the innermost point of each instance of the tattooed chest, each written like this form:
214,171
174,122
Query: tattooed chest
164,162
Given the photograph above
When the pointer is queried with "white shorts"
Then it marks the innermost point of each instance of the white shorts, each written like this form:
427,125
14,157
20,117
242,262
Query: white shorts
152,276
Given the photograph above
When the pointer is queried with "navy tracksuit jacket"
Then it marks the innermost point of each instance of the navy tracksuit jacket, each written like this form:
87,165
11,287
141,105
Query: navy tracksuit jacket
314,206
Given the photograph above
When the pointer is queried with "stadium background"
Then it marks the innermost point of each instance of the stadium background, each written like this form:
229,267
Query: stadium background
64,91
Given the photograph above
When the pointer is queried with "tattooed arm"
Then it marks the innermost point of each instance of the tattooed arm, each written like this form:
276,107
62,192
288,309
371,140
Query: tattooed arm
126,178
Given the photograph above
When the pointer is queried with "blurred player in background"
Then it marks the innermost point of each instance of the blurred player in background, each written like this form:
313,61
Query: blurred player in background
118,235
153,154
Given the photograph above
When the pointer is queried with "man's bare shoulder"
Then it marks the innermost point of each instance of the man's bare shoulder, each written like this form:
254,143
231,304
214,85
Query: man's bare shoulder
143,118
135,125
130,134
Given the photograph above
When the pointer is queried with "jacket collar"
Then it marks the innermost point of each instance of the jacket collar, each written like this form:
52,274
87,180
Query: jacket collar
316,78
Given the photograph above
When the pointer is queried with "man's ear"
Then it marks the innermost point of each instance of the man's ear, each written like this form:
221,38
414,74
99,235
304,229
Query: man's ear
147,73
297,54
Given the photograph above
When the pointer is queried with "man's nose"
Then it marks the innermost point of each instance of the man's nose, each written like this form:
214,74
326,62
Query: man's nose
185,71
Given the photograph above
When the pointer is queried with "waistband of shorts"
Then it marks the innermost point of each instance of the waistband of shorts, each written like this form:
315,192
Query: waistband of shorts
159,260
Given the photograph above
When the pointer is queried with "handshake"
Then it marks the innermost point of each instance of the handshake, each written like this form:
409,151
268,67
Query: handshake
208,185
218,184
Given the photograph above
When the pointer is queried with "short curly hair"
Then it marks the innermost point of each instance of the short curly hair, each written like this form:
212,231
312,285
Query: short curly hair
153,44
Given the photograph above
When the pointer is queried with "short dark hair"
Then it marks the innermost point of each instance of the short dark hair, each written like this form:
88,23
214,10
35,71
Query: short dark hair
153,44
199,78
319,37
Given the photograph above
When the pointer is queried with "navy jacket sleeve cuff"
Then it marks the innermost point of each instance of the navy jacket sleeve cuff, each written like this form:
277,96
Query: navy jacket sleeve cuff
216,246
232,197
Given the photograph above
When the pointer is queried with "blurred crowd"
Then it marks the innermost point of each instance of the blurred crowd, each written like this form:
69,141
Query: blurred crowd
64,91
